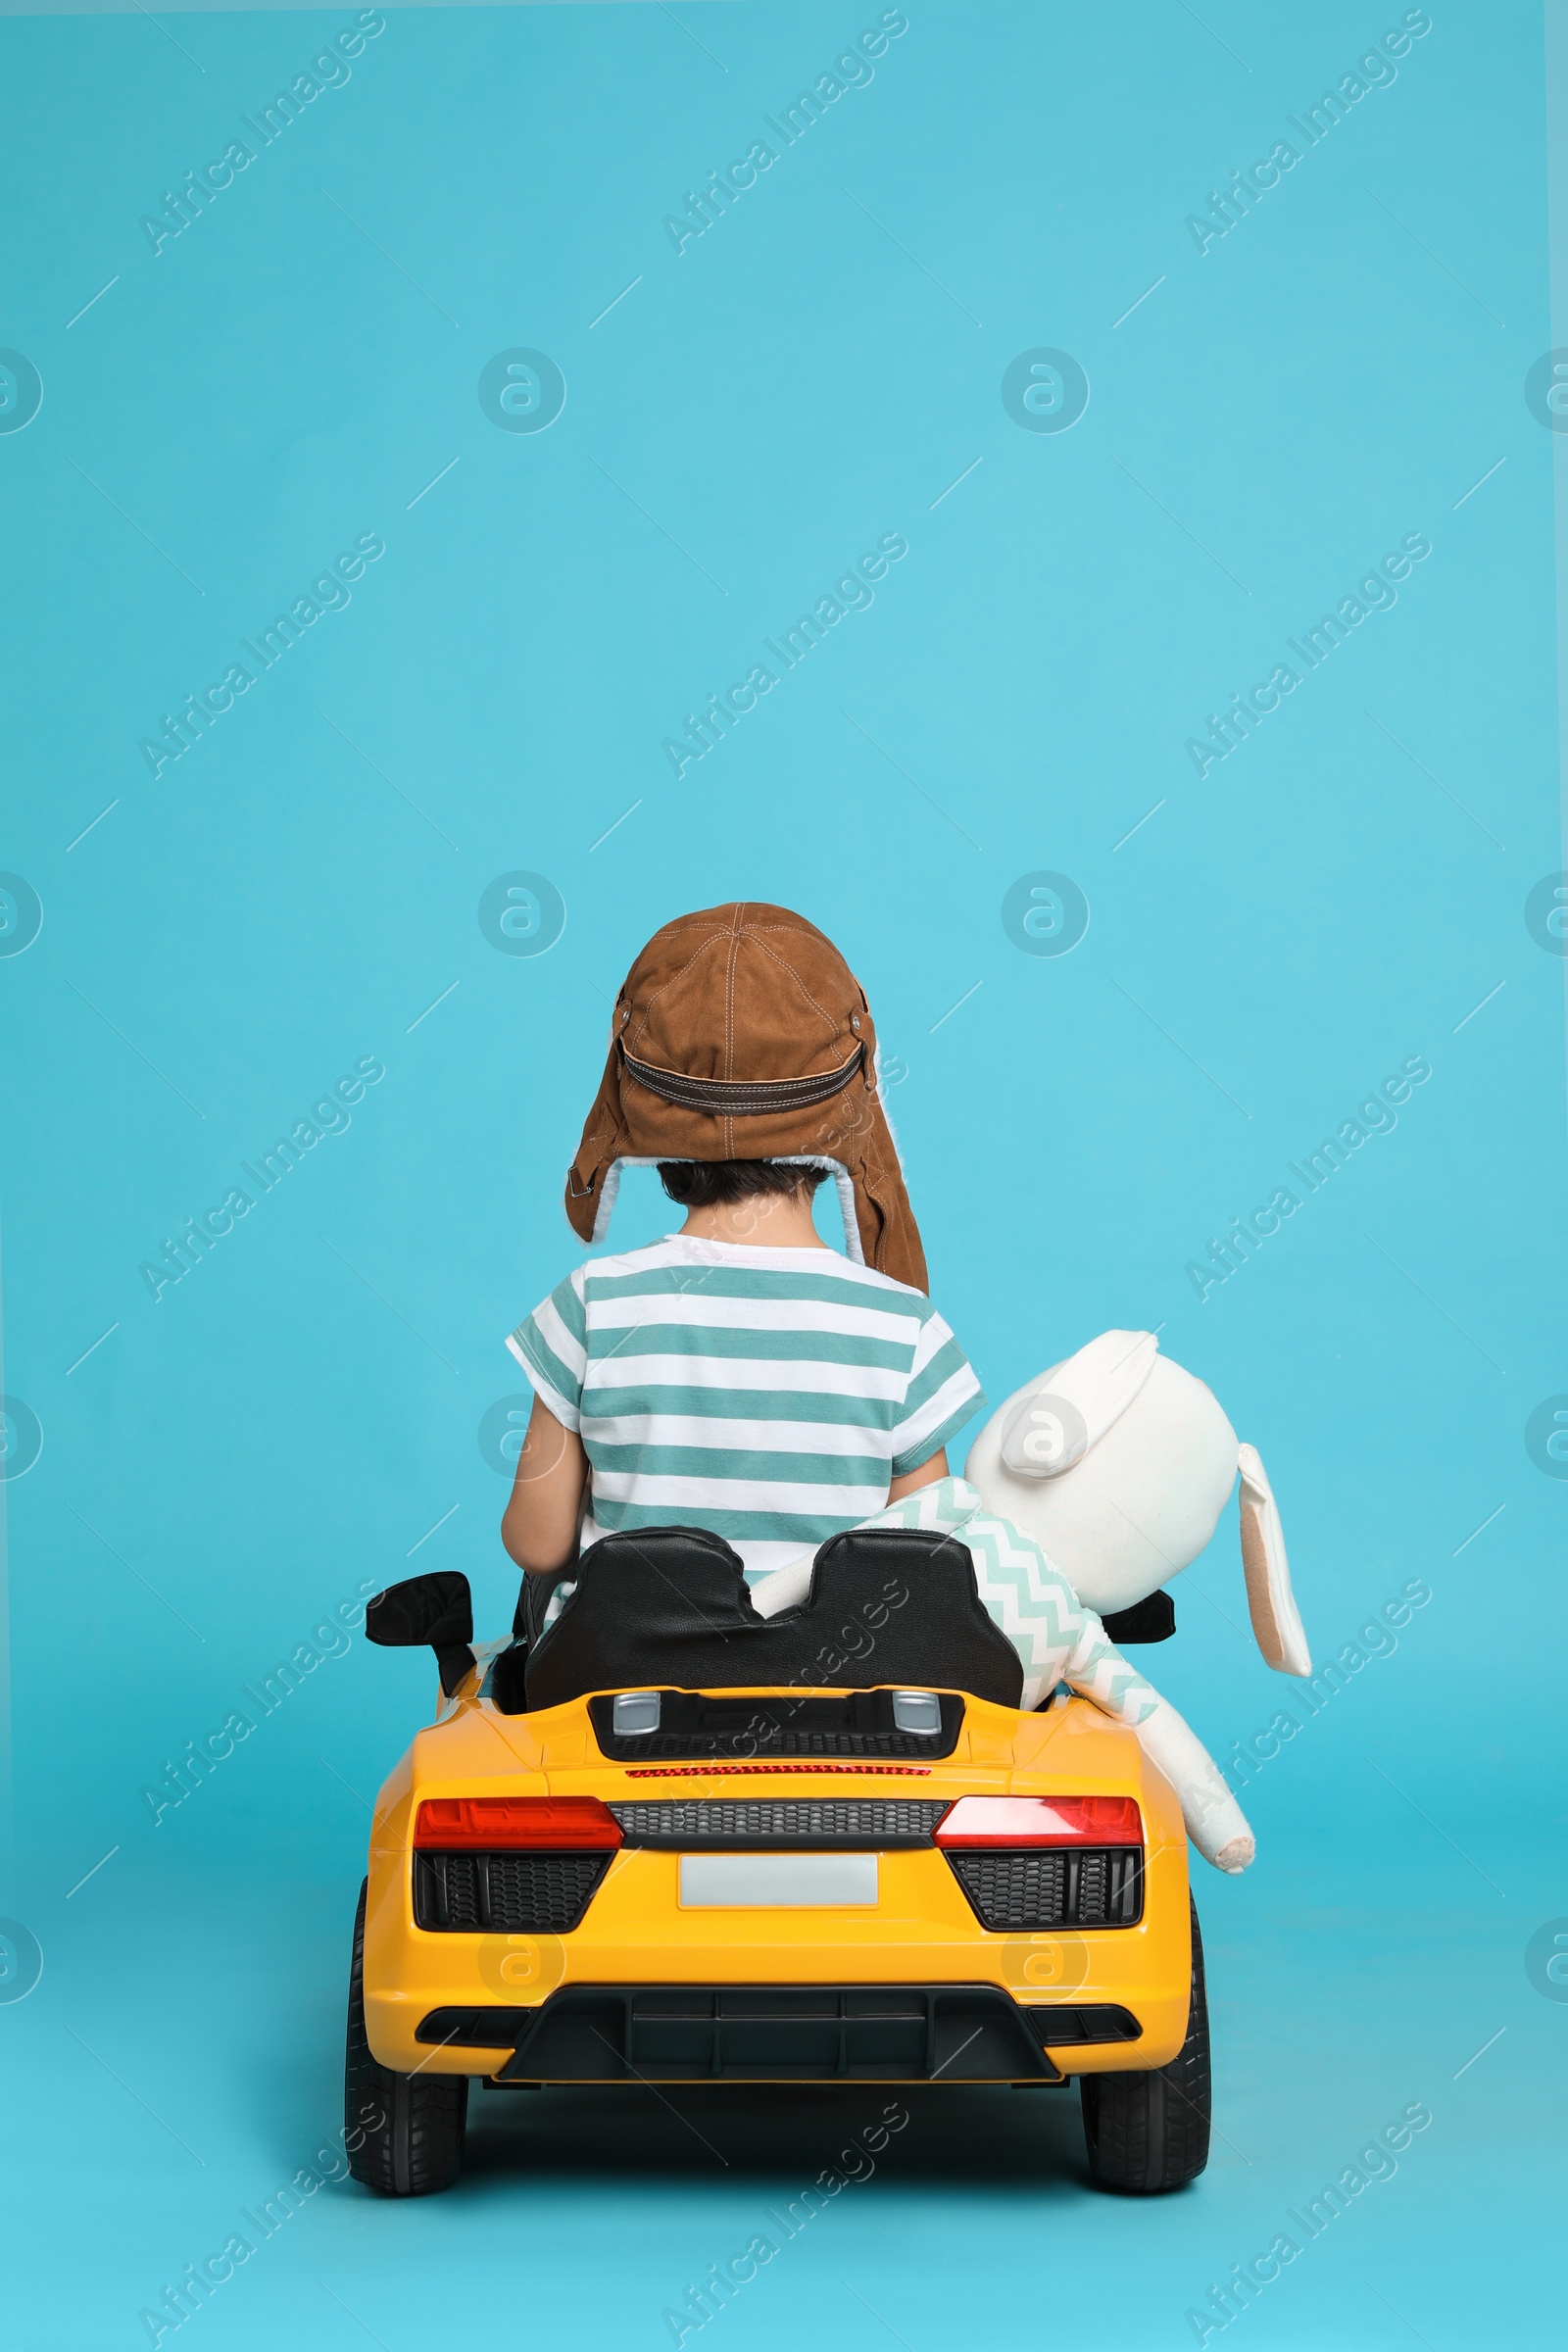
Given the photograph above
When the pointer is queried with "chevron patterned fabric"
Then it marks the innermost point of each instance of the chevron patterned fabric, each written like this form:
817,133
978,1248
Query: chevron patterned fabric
1034,1605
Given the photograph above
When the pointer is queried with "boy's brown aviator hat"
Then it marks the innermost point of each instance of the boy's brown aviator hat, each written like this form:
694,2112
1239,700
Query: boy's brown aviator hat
741,1033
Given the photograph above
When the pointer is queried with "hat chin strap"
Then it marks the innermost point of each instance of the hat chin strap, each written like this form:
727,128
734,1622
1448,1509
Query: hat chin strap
842,1183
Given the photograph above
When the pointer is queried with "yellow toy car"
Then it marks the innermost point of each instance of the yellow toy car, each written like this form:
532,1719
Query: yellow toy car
665,1840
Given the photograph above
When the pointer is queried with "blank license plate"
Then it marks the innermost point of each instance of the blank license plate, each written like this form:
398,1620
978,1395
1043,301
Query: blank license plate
777,1881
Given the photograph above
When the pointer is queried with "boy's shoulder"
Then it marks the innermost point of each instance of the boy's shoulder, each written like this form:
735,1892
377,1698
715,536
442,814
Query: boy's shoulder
901,1294
617,1265
667,1261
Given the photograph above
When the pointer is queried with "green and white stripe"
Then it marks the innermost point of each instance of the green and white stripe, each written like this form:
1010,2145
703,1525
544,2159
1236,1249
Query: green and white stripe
766,1395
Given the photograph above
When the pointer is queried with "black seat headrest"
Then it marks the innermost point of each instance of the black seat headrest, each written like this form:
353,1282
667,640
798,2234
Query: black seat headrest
669,1607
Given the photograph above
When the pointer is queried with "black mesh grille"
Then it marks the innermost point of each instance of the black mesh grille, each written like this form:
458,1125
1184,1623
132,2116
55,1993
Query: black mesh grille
507,1894
658,1747
859,1821
696,1726
1050,1886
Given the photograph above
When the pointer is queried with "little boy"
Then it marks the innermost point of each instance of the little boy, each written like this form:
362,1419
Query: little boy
738,1376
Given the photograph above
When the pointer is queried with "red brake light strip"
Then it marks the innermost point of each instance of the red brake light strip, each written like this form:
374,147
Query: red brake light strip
471,1824
1020,1820
711,1772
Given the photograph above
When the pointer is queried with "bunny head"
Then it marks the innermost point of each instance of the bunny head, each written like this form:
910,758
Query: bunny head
1118,1463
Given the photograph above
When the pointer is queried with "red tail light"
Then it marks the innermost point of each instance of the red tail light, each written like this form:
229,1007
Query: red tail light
566,1823
977,1821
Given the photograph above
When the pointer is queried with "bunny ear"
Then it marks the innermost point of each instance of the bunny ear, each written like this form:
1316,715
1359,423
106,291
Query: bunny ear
1275,1619
1070,1411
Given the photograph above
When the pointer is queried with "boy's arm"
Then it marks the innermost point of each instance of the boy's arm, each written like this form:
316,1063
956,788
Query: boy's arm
539,1527
927,1474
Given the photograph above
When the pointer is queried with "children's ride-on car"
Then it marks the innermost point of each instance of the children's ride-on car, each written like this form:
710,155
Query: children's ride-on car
665,1840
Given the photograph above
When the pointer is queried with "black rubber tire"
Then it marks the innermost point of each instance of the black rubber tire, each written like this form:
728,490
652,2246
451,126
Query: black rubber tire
403,2133
1149,2132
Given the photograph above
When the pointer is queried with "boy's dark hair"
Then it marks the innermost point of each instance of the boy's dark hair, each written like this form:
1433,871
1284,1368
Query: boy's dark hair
706,1183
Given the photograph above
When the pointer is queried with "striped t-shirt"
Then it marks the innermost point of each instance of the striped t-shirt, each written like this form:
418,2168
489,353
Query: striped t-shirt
769,1395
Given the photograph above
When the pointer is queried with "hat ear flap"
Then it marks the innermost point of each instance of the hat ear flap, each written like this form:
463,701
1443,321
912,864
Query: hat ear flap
594,1176
1276,1621
844,1186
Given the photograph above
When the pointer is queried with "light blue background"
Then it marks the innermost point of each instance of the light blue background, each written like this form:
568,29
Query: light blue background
282,1427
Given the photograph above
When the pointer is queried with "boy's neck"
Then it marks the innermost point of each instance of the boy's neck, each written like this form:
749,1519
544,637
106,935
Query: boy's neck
761,1221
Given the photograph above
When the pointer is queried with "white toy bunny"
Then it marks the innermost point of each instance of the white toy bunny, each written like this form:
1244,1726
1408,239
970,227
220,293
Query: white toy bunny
1117,1463
1083,1494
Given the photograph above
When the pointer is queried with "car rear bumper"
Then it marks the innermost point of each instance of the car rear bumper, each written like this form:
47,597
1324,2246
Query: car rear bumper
635,1941
631,1933
778,2033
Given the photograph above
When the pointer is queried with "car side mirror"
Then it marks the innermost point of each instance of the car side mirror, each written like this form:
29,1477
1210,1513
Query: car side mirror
1152,1619
435,1610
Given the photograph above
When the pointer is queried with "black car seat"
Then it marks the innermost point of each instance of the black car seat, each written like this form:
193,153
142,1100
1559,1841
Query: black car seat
671,1606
